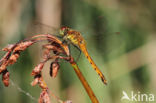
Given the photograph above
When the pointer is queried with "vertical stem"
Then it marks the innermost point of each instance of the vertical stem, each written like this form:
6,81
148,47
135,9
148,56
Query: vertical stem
85,83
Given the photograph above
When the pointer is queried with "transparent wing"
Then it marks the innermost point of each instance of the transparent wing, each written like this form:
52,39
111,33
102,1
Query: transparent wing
40,28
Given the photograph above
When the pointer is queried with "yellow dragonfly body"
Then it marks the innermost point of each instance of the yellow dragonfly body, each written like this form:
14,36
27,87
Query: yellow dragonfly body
76,39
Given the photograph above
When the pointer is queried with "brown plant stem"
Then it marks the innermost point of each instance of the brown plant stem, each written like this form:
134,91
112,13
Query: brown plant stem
83,81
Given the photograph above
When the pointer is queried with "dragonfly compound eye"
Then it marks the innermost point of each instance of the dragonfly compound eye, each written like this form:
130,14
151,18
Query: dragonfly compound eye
64,28
63,31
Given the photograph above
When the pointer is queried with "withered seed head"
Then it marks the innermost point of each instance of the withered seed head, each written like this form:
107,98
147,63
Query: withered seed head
46,53
5,78
9,47
44,97
37,69
2,68
22,46
54,48
42,83
35,81
54,67
13,58
62,46
55,45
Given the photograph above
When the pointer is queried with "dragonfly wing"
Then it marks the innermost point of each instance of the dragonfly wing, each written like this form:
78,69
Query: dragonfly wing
40,28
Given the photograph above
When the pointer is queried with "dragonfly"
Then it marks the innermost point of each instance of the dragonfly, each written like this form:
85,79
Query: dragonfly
74,37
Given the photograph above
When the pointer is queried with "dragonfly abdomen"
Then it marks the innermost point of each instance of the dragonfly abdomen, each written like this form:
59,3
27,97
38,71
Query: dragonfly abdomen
97,69
84,50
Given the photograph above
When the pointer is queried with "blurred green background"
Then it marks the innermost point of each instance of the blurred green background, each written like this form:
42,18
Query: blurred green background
120,36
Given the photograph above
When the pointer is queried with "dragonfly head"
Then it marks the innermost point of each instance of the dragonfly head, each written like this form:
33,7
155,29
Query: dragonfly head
64,31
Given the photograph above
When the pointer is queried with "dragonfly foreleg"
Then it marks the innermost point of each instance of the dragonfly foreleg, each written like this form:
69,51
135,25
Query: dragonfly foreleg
79,53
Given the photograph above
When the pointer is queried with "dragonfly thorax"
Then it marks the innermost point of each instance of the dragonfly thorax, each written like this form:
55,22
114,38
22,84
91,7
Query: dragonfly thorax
71,36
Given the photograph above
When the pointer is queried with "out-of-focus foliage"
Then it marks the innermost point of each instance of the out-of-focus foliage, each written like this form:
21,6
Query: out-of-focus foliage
120,37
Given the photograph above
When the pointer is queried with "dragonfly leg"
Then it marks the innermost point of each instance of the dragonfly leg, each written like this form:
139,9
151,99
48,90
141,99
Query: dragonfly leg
64,42
60,37
69,48
77,59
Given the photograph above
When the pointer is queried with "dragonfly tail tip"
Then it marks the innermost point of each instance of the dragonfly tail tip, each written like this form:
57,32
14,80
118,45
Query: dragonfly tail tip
104,81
